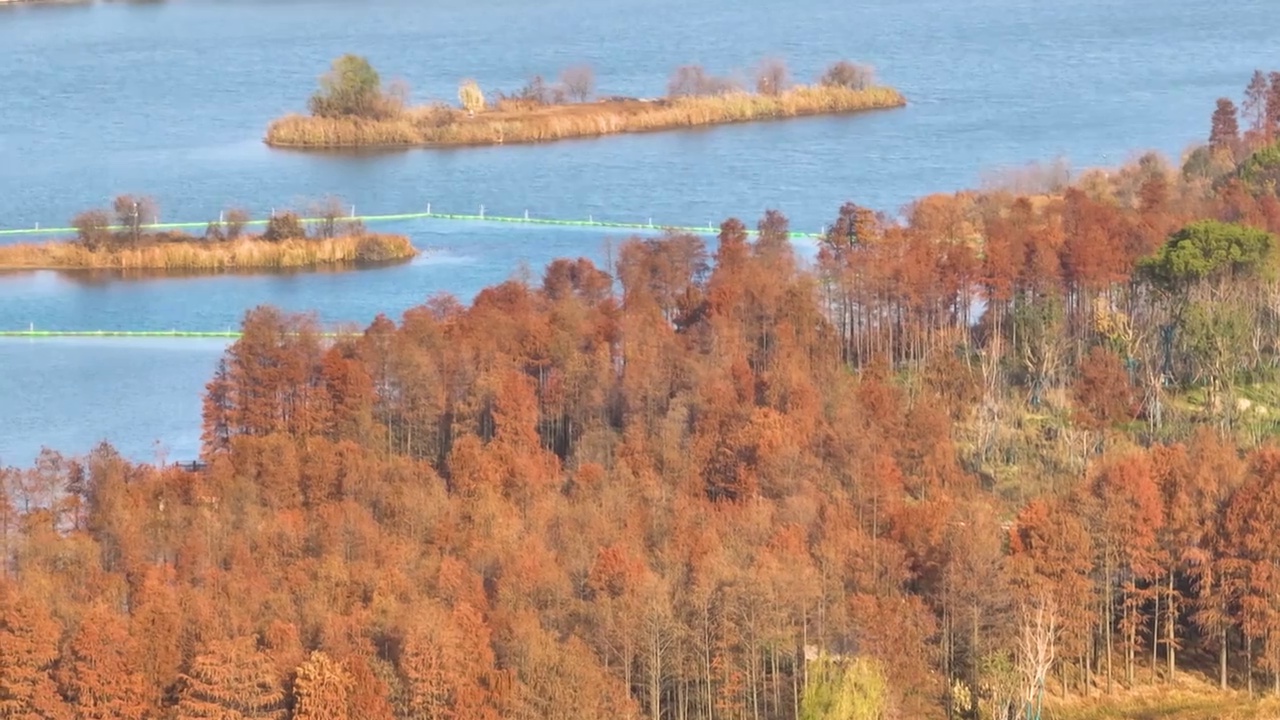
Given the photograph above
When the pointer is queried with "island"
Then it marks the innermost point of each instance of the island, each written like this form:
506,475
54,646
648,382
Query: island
129,237
353,109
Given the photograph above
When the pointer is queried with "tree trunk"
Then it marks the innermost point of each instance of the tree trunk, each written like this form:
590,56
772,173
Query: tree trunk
1155,637
1109,615
1222,661
1170,624
1088,668
1248,663
1131,620
795,686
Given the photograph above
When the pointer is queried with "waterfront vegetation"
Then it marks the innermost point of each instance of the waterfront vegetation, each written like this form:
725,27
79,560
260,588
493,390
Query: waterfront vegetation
133,243
719,484
353,109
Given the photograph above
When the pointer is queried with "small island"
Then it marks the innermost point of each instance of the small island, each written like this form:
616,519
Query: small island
129,238
353,109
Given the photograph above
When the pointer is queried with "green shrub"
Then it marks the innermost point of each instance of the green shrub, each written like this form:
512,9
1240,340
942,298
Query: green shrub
1261,171
1210,249
351,88
843,689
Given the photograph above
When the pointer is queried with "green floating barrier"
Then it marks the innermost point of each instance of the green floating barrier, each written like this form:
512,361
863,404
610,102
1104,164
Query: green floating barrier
220,334
455,217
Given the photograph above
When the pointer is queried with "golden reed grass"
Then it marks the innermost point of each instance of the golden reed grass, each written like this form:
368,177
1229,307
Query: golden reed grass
198,255
437,126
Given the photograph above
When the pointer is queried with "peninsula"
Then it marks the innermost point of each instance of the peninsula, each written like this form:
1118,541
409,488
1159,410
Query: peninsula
129,238
353,109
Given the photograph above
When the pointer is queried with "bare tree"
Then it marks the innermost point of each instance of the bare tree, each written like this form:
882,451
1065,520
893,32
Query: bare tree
579,81
396,97
688,81
1034,178
235,221
693,81
849,75
284,226
132,213
213,231
535,91
329,211
772,76
93,228
1037,646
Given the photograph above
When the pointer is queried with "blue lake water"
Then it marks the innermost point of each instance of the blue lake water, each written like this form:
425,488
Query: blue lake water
171,100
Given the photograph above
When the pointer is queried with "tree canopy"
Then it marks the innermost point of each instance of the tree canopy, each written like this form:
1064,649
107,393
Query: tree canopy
1209,249
351,88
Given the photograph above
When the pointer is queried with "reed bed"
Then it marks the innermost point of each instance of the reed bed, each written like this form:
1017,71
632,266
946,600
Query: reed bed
437,126
203,256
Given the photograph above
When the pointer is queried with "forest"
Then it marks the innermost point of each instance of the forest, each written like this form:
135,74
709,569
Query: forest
1006,449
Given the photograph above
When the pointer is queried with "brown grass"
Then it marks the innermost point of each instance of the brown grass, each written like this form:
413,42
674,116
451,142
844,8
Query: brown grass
1171,706
512,123
199,255
1188,697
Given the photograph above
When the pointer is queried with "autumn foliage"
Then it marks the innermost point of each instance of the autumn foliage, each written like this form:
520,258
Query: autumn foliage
990,448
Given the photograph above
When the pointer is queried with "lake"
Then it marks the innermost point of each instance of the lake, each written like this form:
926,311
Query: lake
171,100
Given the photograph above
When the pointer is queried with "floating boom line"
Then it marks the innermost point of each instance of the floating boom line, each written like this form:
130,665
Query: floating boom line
525,219
190,334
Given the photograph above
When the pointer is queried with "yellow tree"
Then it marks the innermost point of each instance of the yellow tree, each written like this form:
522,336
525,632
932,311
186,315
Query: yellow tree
322,689
28,649
471,97
98,674
231,680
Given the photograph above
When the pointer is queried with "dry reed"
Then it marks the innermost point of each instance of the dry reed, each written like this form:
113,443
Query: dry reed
434,126
198,255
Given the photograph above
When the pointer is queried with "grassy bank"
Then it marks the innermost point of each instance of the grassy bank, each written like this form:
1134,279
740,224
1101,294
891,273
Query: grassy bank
528,122
205,256
1161,703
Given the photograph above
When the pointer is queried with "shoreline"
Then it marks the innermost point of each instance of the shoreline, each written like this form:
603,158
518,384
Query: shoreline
199,257
438,127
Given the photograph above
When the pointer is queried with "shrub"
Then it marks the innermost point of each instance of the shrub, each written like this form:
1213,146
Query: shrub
284,226
93,229
437,115
471,97
235,220
850,689
849,75
350,88
213,232
772,77
376,248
